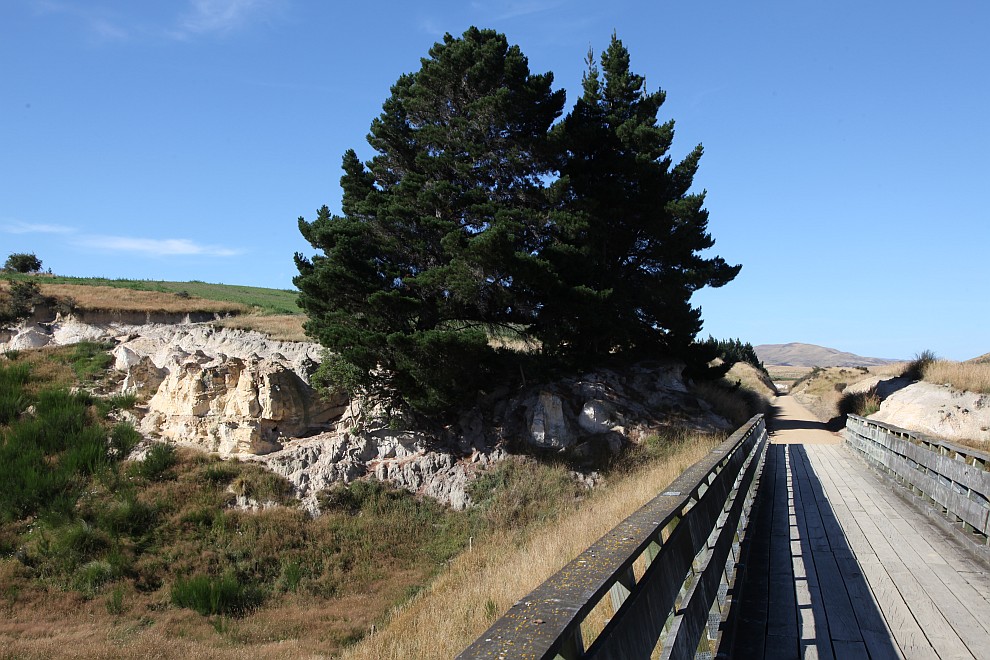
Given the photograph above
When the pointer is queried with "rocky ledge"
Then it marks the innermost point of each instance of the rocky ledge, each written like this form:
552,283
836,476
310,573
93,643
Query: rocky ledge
241,394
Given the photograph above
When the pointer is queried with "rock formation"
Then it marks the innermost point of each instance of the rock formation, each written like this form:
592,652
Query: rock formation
241,394
938,410
229,405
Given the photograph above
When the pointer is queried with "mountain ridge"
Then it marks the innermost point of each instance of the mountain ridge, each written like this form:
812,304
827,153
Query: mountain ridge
796,354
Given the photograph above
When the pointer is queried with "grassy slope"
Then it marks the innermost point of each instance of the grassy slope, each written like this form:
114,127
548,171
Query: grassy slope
95,571
99,577
502,568
269,301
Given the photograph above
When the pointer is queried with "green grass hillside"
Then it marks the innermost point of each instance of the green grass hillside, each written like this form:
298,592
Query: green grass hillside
267,301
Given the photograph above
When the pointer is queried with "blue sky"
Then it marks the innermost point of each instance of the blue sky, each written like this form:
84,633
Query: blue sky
846,143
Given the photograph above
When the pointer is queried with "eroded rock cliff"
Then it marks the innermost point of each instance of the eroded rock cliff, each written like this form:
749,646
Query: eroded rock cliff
243,395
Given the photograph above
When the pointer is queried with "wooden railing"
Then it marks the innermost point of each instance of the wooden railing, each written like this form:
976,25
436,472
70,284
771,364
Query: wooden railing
950,478
668,569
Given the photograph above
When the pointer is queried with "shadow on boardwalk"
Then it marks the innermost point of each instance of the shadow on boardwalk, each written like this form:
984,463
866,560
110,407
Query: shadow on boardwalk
803,594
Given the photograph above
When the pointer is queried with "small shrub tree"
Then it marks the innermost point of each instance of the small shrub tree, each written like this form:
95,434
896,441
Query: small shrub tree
22,262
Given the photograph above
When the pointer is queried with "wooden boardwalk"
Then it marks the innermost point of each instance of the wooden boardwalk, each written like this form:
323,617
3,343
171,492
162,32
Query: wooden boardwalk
839,566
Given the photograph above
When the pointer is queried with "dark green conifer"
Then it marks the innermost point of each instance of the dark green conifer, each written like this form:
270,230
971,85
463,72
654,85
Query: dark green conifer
629,234
440,232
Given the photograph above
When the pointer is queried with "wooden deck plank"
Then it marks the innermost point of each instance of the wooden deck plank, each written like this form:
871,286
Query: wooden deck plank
930,567
880,520
852,569
812,619
839,611
782,605
750,638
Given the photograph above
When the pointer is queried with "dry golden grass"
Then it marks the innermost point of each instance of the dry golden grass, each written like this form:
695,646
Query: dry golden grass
787,373
966,376
283,327
752,379
499,570
821,392
111,299
65,625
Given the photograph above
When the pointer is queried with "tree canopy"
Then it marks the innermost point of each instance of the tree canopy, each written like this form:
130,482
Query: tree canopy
21,262
479,215
628,249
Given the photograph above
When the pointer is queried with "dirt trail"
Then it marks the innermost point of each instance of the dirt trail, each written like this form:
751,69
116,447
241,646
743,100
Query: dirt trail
794,424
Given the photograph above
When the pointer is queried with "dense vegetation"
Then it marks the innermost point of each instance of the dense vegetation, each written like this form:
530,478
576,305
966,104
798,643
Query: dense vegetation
18,300
22,262
732,351
479,215
143,538
102,524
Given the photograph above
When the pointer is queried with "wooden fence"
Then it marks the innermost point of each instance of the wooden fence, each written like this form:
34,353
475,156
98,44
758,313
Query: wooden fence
668,571
952,479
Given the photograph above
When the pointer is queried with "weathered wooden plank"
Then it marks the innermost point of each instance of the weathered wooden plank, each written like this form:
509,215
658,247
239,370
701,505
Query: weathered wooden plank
883,537
897,625
852,650
813,628
751,610
782,604
949,591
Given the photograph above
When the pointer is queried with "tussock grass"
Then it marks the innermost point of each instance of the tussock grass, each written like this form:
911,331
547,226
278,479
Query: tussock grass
742,393
112,299
821,390
860,403
504,566
284,327
194,293
965,376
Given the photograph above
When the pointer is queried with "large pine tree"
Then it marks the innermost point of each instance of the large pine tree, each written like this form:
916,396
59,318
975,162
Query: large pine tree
440,233
629,233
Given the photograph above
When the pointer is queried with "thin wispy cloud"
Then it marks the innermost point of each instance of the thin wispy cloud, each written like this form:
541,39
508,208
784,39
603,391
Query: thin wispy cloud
220,16
503,11
157,247
102,23
18,227
187,20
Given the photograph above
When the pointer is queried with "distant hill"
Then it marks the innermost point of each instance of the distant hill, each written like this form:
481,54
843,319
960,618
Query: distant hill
810,355
983,359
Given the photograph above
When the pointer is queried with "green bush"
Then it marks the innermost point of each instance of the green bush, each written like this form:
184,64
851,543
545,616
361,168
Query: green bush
115,402
128,516
90,358
92,575
517,493
123,439
211,595
22,262
860,403
155,466
219,474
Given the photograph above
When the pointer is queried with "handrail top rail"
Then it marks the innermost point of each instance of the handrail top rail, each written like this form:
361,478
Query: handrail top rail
924,437
540,620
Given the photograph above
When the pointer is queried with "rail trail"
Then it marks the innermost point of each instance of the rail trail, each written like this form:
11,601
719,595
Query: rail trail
785,542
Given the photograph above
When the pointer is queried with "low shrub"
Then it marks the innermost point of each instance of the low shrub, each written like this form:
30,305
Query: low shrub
129,516
155,466
92,575
216,595
915,369
520,492
123,439
860,403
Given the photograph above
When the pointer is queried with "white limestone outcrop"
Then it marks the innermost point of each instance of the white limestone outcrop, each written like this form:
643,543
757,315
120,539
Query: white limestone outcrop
229,405
938,410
